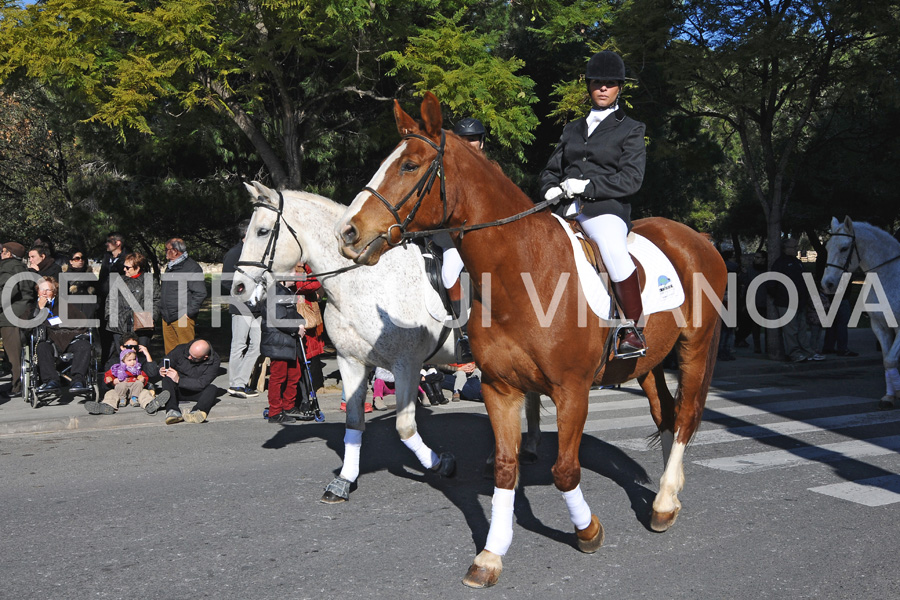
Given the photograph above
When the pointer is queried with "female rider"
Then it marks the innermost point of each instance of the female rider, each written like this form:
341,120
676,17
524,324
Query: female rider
597,164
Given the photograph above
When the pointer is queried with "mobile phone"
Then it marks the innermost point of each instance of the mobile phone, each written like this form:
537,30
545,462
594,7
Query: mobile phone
165,363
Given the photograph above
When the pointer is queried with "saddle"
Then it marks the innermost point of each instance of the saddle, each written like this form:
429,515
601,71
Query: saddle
592,254
433,265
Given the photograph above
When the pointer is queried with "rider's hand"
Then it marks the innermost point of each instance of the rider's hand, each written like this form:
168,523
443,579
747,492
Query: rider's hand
574,187
554,194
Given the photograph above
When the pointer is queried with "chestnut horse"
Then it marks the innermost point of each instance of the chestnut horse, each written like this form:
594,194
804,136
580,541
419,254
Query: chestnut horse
433,180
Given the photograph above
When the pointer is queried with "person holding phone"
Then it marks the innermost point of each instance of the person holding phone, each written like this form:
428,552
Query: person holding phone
187,375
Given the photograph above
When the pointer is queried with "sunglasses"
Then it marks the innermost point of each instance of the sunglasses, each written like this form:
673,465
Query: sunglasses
130,346
77,258
128,267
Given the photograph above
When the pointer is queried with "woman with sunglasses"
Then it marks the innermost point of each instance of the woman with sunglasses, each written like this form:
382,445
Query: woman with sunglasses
598,163
120,315
81,281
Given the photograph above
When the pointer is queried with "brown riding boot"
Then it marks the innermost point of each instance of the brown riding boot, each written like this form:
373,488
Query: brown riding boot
628,293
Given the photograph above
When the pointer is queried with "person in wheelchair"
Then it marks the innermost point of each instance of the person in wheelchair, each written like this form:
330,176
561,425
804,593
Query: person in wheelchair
58,335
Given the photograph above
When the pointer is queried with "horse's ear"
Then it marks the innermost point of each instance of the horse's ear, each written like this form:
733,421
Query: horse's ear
405,123
835,224
263,193
431,115
848,224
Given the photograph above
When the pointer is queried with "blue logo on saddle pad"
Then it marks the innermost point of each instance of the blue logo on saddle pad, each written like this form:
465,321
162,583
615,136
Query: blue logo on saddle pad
664,283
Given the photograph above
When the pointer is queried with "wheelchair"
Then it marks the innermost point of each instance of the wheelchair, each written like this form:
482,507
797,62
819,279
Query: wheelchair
31,379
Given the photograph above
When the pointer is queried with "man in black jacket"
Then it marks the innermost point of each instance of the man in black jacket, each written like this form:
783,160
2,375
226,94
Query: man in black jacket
21,298
189,378
177,309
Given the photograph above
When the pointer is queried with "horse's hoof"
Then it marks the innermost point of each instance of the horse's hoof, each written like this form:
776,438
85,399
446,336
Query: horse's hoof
481,577
660,522
527,457
887,403
446,466
337,491
591,537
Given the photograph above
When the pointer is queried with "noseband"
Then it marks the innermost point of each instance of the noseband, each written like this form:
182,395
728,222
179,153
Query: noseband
268,257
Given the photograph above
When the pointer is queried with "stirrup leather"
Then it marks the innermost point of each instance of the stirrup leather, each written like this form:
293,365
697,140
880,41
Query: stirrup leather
623,328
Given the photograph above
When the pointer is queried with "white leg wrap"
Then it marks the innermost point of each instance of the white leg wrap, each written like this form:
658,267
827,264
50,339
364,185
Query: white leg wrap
426,455
501,532
352,446
579,511
892,380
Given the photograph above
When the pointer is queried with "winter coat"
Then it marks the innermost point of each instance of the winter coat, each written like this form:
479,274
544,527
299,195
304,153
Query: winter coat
169,299
279,341
312,340
193,377
62,333
612,158
49,268
81,282
108,265
21,297
123,321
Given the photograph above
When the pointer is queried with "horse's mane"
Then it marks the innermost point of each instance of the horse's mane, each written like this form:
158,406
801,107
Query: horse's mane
882,236
327,204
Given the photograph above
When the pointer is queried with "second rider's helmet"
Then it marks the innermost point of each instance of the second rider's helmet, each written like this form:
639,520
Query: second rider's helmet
469,126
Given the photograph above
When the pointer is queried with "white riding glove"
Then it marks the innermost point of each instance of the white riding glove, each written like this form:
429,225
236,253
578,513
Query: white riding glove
553,194
574,187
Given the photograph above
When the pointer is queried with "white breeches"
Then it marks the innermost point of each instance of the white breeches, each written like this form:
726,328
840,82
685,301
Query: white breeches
453,264
610,233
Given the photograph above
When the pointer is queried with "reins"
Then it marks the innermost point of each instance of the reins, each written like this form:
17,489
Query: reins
423,187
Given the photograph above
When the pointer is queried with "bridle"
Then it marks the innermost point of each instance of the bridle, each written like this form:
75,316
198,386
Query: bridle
854,250
397,233
268,257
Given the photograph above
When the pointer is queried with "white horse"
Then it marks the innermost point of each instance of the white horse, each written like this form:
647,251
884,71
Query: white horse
388,316
874,251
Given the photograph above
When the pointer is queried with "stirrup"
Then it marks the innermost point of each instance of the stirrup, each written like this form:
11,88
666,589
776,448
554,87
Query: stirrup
625,327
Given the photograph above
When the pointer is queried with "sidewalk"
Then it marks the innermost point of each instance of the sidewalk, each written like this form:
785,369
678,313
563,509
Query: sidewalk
18,417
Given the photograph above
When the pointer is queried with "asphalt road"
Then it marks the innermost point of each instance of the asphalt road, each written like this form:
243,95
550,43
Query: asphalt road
792,492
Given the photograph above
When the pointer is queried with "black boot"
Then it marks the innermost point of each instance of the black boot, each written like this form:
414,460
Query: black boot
628,293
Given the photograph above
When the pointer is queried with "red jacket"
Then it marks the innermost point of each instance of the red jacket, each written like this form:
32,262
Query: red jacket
312,341
108,377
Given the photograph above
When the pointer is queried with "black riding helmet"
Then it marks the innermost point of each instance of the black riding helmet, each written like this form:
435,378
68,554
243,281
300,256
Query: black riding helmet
469,126
606,66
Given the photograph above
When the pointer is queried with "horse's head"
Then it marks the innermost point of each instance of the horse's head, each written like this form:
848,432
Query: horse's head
406,192
266,251
843,256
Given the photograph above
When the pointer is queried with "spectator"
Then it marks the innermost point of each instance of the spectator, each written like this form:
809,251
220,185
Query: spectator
129,386
178,309
836,336
308,307
464,380
113,261
21,298
794,333
280,331
82,283
430,385
41,261
189,378
726,337
62,334
130,342
119,314
758,266
246,323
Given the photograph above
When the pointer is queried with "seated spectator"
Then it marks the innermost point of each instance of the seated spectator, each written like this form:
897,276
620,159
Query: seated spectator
430,386
61,335
130,342
464,380
188,377
81,283
129,386
140,284
41,261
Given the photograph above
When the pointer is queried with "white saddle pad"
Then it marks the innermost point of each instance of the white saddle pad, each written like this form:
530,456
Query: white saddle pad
662,286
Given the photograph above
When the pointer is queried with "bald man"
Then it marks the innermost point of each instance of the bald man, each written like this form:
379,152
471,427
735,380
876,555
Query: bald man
189,378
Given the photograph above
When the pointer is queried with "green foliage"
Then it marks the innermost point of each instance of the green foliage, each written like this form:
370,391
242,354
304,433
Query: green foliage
461,68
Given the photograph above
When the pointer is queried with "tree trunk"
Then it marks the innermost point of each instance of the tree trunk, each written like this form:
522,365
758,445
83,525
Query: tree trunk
774,345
